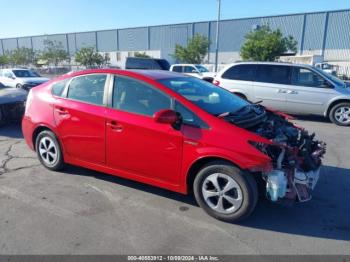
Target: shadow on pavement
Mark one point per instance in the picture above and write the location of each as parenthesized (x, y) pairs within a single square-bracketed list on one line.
[(326, 216), (312, 118), (12, 130), (73, 170)]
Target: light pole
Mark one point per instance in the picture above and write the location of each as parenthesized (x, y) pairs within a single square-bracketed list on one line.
[(217, 36)]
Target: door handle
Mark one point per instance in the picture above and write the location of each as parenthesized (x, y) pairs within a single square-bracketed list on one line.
[(281, 91), (292, 92), (61, 111), (115, 126)]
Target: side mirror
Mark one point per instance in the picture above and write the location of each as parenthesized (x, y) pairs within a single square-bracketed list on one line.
[(168, 116)]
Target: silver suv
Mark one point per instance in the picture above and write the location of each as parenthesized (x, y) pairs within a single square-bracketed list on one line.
[(291, 88), (21, 78)]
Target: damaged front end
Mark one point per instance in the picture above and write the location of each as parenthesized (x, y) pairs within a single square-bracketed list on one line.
[(296, 155)]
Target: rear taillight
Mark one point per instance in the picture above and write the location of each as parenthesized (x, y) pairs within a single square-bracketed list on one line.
[(216, 82)]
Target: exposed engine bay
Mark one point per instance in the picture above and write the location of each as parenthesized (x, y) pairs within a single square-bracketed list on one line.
[(296, 155)]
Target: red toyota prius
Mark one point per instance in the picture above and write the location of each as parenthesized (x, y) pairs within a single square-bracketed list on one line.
[(176, 132)]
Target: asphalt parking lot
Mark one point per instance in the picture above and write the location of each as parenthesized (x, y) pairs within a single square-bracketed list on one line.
[(84, 212)]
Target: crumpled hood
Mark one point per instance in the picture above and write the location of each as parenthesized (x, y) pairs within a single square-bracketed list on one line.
[(11, 95), (36, 80)]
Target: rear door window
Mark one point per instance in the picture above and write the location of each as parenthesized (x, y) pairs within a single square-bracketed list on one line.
[(88, 88), (275, 74), (240, 72)]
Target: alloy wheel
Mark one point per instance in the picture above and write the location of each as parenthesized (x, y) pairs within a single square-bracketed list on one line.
[(48, 151), (342, 115), (222, 193)]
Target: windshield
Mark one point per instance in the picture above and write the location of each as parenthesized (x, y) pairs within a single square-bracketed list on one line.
[(25, 73), (201, 69), (333, 78), (212, 99)]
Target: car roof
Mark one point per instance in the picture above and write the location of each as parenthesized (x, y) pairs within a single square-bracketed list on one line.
[(184, 64), (17, 68), (151, 74), (270, 63)]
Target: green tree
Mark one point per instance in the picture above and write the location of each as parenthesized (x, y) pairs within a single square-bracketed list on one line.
[(21, 56), (141, 55), (54, 52), (265, 44), (194, 52), (88, 57), (4, 60)]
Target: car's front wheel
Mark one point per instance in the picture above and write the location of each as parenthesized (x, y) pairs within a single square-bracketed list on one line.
[(340, 114), (49, 151), (225, 192), (19, 86)]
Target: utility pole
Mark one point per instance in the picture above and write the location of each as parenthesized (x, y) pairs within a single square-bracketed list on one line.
[(217, 36)]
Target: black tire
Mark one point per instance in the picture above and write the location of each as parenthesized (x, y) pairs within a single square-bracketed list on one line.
[(18, 86), (58, 162), (335, 108), (245, 181)]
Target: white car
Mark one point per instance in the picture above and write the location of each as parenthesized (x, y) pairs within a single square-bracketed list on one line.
[(291, 88), (198, 71), (21, 78)]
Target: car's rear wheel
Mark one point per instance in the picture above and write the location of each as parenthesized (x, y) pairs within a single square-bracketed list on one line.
[(18, 86), (49, 151), (225, 192), (340, 114)]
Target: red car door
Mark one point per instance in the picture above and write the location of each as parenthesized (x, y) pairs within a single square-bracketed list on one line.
[(80, 118), (135, 142)]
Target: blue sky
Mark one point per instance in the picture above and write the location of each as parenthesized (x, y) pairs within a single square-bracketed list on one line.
[(35, 17)]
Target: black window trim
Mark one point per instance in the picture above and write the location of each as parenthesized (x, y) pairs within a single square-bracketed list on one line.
[(65, 91)]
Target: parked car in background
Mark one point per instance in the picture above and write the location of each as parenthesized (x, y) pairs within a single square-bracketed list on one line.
[(198, 71), (147, 63), (21, 78), (172, 131), (291, 88), (328, 68), (12, 104)]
